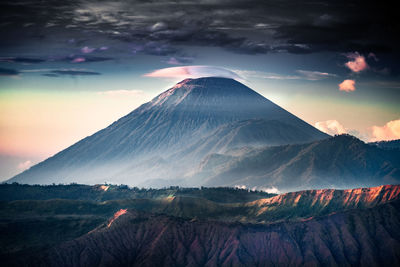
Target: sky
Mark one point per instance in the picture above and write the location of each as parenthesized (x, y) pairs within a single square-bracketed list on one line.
[(71, 68)]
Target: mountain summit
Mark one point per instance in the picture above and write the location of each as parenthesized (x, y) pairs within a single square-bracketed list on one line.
[(170, 135)]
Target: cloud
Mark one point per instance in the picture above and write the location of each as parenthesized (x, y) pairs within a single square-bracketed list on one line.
[(82, 59), (87, 50), (158, 26), (390, 131), (78, 60), (330, 127), (122, 93), (347, 86), (71, 58), (265, 75), (25, 60), (357, 62), (96, 59), (179, 60), (158, 49), (292, 48), (74, 72), (193, 72), (269, 190), (61, 72), (315, 75), (301, 75), (8, 72), (24, 165), (241, 187), (349, 27)]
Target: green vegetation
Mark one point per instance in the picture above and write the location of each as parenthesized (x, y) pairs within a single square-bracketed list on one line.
[(15, 191)]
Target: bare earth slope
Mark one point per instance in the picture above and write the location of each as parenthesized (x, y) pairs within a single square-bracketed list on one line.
[(369, 237), (313, 227)]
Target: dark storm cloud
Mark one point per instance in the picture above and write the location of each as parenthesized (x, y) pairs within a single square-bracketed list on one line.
[(251, 26), (179, 60), (22, 60), (8, 72), (83, 59), (74, 73), (71, 58)]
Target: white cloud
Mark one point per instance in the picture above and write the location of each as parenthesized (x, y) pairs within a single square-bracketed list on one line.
[(301, 75), (330, 127), (240, 186), (24, 165), (265, 75), (315, 75), (347, 86), (269, 190), (390, 131), (159, 26)]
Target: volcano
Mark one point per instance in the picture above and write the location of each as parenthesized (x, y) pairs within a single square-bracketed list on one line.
[(164, 139)]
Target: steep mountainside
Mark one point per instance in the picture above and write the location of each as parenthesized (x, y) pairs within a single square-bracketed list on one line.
[(189, 219), (338, 162), (367, 237), (146, 143)]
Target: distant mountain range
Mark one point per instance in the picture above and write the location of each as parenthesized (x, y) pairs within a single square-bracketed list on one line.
[(393, 144), (217, 132), (198, 227), (338, 162)]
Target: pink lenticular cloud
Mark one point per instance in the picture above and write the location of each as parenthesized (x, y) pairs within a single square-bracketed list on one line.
[(176, 72), (357, 62), (78, 60), (87, 50), (193, 72), (390, 131), (347, 86)]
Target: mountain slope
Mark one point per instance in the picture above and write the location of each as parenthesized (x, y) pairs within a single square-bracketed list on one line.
[(176, 119), (29, 228), (337, 162), (358, 237), (393, 144)]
